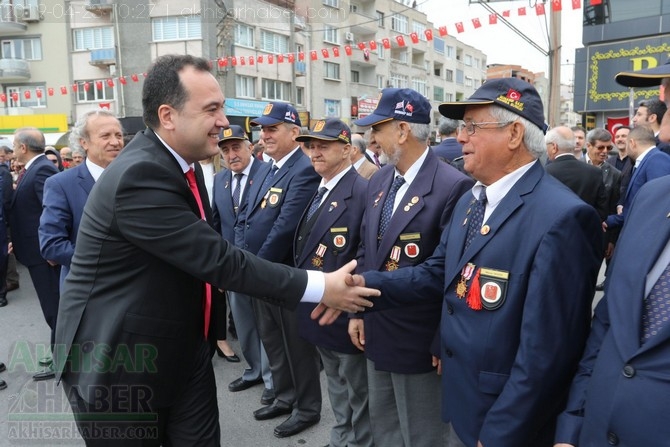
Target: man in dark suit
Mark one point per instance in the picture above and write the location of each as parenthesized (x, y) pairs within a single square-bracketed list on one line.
[(449, 148), (132, 335), (584, 180), (650, 112), (516, 266), (276, 202), (621, 160), (619, 394), (100, 134), (408, 204), (24, 220), (6, 193), (229, 202), (327, 238)]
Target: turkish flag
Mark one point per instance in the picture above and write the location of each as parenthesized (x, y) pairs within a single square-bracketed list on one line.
[(15, 96), (506, 13), (476, 23), (459, 27), (98, 85), (134, 77), (271, 59), (442, 30), (280, 58), (400, 40), (233, 61), (361, 46), (493, 19), (313, 55), (414, 37), (50, 91), (522, 11), (123, 80), (3, 97), (74, 87), (556, 5), (373, 45), (347, 50), (386, 42), (539, 9), (251, 60), (596, 2), (87, 86), (38, 92), (576, 4), (301, 56), (428, 33), (259, 59), (243, 61), (324, 53), (336, 52), (63, 90), (291, 58), (110, 82), (27, 94)]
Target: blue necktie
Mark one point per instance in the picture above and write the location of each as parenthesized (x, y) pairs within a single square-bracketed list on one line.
[(387, 210), (316, 202), (237, 191), (656, 311), (476, 218), (268, 179)]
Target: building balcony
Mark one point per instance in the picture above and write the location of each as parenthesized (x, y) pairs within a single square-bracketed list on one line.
[(103, 57), (10, 21), (361, 24), (12, 70), (99, 6), (300, 68)]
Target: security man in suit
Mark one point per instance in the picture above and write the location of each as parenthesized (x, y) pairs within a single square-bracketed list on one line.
[(266, 228), (449, 148), (516, 267), (408, 204), (327, 238), (231, 189)]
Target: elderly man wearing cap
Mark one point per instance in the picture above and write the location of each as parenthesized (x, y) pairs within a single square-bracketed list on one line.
[(328, 236), (267, 225), (231, 189), (516, 267), (409, 202)]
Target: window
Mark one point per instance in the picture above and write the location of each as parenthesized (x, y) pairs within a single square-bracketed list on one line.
[(438, 45), (438, 94), (478, 63), (448, 97), (93, 38), (176, 28), (400, 55), (459, 76), (330, 34), (29, 49), (381, 51), (380, 19), (300, 95), (437, 70), (244, 35), (245, 86), (332, 71), (333, 3), (273, 42), (468, 81), (31, 101), (276, 90), (420, 29), (353, 8), (450, 75), (355, 76), (420, 86), (380, 81), (332, 108), (451, 52), (399, 23), (397, 80), (468, 60), (88, 91)]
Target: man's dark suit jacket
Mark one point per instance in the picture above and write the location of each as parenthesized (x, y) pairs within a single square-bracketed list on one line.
[(137, 278), (584, 180), (626, 169), (448, 149)]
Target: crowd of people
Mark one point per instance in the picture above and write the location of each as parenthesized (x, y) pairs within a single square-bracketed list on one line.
[(446, 292)]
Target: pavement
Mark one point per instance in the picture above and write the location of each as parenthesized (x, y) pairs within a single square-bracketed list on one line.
[(37, 413)]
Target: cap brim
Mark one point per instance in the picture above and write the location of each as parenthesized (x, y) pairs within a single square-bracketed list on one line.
[(371, 120), (223, 140), (456, 110), (644, 78), (265, 121), (317, 137)]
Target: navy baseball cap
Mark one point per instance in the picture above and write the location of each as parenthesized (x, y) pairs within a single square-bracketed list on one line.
[(276, 113), (513, 94), (330, 129), (402, 104), (234, 132), (649, 77)]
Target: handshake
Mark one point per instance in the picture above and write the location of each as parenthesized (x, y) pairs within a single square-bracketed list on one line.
[(344, 292)]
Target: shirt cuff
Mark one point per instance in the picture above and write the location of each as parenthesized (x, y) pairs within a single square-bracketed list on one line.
[(316, 286)]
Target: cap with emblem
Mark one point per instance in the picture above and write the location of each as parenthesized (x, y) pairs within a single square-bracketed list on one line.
[(233, 132), (402, 104), (648, 77), (277, 113), (513, 94), (330, 129)]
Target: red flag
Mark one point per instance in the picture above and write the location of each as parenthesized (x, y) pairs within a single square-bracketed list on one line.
[(476, 23), (493, 19), (98, 85), (386, 42), (259, 59), (336, 52), (539, 9), (123, 80), (233, 61), (556, 5), (110, 82), (415, 37), (105, 105), (50, 91), (373, 45), (400, 40), (429, 34), (251, 60), (38, 92), (505, 13), (442, 30), (361, 46), (15, 96), (87, 86), (324, 52), (243, 61), (280, 58), (576, 4), (459, 27), (134, 77), (313, 55), (27, 94), (347, 50), (301, 56), (271, 59), (522, 11), (63, 90), (596, 2), (3, 97)]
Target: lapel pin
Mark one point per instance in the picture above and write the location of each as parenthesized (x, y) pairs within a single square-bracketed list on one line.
[(381, 193), (333, 205), (485, 230)]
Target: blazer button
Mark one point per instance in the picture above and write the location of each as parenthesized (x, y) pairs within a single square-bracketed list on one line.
[(448, 353), (628, 371), (299, 238), (450, 309), (612, 439)]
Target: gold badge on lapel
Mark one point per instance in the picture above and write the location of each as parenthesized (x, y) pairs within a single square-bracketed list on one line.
[(317, 260)]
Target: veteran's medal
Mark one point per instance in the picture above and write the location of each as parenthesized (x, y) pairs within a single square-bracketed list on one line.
[(392, 263), (462, 285), (317, 260)]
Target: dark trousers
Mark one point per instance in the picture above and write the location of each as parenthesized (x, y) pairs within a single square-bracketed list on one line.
[(12, 276), (46, 281), (193, 419)]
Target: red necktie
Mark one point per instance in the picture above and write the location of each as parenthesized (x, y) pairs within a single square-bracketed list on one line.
[(207, 304)]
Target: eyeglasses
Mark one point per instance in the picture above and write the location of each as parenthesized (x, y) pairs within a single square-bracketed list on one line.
[(470, 126)]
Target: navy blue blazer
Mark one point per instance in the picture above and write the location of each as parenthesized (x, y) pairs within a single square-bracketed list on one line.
[(223, 212), (26, 209), (506, 371), (621, 389), (267, 225), (337, 227), (398, 340), (65, 195), (655, 164), (449, 148)]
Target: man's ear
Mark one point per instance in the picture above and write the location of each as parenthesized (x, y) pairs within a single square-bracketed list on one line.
[(166, 116)]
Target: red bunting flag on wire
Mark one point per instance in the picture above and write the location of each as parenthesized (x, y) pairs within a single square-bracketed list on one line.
[(556, 5), (539, 9)]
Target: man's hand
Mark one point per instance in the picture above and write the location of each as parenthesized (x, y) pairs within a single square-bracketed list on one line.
[(563, 445), (357, 333), (343, 292), (437, 363), (10, 248), (604, 226)]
